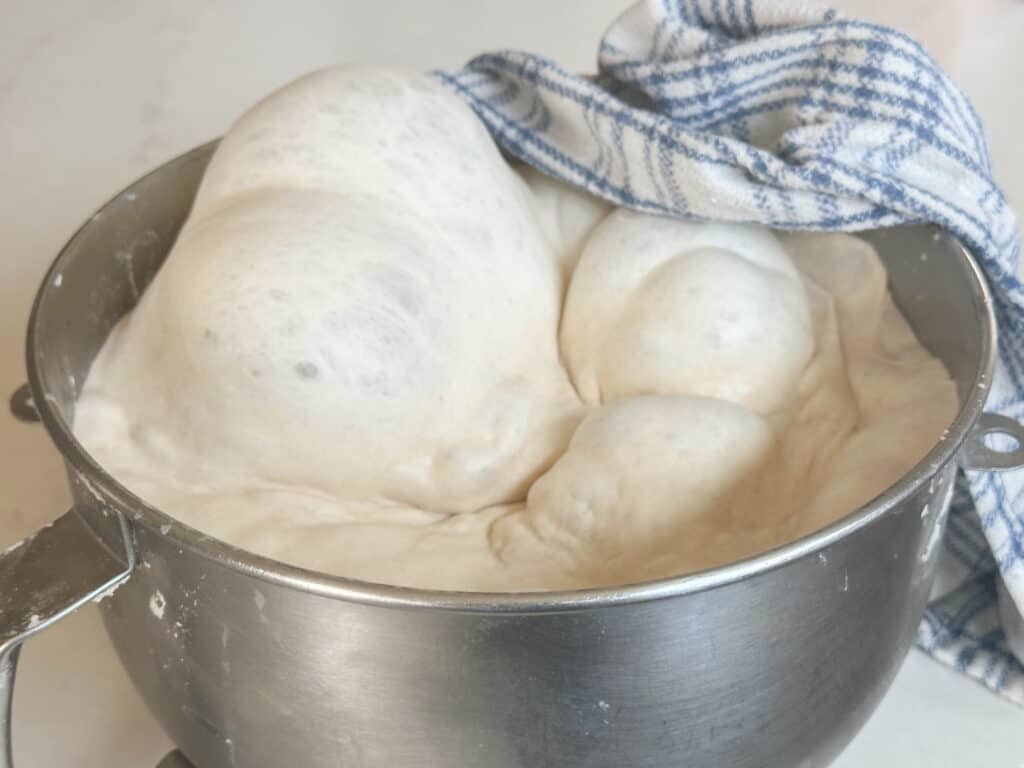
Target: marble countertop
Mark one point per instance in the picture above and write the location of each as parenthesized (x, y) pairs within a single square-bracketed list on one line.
[(94, 94)]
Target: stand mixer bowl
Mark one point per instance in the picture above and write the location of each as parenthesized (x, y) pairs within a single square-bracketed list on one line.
[(774, 661)]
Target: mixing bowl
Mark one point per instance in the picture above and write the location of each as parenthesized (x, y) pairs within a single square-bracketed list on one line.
[(774, 661)]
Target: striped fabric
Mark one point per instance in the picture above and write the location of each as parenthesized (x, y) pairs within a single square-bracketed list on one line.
[(795, 117)]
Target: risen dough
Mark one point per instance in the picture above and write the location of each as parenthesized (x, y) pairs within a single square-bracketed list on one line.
[(566, 216), (352, 360), (658, 306), (361, 302), (636, 476)]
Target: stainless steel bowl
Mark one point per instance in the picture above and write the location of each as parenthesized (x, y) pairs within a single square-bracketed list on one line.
[(774, 661)]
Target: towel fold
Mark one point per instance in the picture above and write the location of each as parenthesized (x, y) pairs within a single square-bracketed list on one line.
[(792, 116)]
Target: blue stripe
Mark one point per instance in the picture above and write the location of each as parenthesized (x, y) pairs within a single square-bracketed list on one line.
[(870, 74), (863, 113), (589, 119), (897, 197), (666, 169), (677, 34), (614, 111), (1015, 541), (716, 10), (649, 167), (603, 186), (701, 21), (620, 145), (734, 19), (968, 120), (659, 30), (714, 116)]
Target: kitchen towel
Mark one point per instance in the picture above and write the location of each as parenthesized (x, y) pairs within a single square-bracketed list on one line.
[(790, 115)]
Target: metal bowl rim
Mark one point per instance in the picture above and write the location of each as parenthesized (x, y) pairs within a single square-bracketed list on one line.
[(337, 587)]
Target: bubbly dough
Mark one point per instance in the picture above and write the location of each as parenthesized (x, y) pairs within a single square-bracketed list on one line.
[(659, 306), (361, 302), (378, 351), (903, 397), (635, 477)]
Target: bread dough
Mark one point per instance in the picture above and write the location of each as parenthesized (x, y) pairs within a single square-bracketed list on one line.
[(660, 306), (378, 351), (361, 302), (611, 508), (566, 216)]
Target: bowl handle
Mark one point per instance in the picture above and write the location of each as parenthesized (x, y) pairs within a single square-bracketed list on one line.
[(976, 454), (44, 578)]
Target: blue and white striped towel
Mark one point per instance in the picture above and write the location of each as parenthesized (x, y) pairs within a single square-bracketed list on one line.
[(795, 117)]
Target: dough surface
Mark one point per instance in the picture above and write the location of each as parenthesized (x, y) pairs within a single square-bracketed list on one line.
[(658, 306), (379, 351), (361, 302)]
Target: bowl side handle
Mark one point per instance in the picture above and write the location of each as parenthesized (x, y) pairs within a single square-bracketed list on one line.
[(45, 577), (976, 454)]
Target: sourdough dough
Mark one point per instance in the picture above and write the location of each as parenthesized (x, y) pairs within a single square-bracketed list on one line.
[(378, 351)]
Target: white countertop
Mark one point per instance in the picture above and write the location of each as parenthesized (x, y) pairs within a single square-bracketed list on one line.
[(94, 94)]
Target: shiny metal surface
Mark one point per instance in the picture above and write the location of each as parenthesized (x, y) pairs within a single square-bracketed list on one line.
[(8, 668), (44, 578), (976, 454), (777, 660)]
